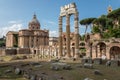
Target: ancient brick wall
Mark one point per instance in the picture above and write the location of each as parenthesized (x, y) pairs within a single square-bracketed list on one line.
[(10, 51), (2, 52), (23, 51)]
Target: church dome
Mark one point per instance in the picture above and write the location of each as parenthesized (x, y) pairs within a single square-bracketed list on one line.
[(34, 23)]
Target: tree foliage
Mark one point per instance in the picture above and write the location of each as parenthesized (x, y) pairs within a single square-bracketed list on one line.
[(114, 14), (87, 22), (105, 24)]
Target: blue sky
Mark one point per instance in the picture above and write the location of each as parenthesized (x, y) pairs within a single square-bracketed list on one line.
[(16, 14)]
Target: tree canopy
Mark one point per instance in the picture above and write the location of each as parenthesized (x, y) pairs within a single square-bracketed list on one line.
[(87, 21), (105, 24), (114, 14)]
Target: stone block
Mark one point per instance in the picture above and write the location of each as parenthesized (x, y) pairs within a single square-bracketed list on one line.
[(88, 65), (8, 71), (67, 67), (56, 68), (114, 63), (97, 72), (88, 79), (86, 61), (98, 61), (104, 61), (108, 63), (18, 71)]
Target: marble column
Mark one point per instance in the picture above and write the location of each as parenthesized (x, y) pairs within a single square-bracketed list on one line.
[(68, 35), (60, 37), (76, 23)]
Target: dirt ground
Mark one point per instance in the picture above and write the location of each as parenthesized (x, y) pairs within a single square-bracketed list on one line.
[(77, 72)]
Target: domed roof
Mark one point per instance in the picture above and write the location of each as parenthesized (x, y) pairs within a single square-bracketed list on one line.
[(34, 20)]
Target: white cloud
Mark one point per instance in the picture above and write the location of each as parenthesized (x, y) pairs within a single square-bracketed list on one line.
[(53, 34), (10, 27), (14, 22)]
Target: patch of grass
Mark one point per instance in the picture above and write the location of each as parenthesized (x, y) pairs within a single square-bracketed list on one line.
[(6, 58)]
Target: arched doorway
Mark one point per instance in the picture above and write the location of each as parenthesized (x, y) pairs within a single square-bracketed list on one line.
[(100, 49), (115, 52)]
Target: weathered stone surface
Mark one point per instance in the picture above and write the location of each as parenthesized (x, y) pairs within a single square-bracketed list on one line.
[(67, 67), (8, 71), (88, 79), (108, 63), (33, 77), (115, 63), (35, 64), (79, 66), (18, 71), (86, 60), (98, 61), (97, 72), (23, 65), (54, 60), (54, 67), (27, 76), (104, 61), (88, 65), (40, 78), (61, 78)]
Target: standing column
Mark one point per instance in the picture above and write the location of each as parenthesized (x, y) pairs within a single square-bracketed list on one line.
[(68, 35), (76, 35), (35, 41), (30, 42), (60, 37)]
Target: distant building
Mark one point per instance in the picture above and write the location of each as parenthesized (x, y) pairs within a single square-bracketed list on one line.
[(53, 41), (34, 36), (28, 38), (11, 39)]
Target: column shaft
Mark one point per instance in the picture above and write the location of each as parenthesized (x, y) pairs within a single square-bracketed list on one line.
[(68, 35), (60, 37), (76, 35)]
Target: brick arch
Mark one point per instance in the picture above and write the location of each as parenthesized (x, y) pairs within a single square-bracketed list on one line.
[(82, 44), (100, 49), (114, 51), (96, 43)]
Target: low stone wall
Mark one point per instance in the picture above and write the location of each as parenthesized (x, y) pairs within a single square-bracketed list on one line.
[(2, 52), (10, 51), (23, 51), (14, 51)]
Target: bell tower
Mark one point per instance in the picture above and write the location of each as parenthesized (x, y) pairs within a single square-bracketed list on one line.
[(109, 10)]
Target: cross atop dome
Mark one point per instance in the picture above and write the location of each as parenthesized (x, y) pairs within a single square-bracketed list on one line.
[(34, 16)]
